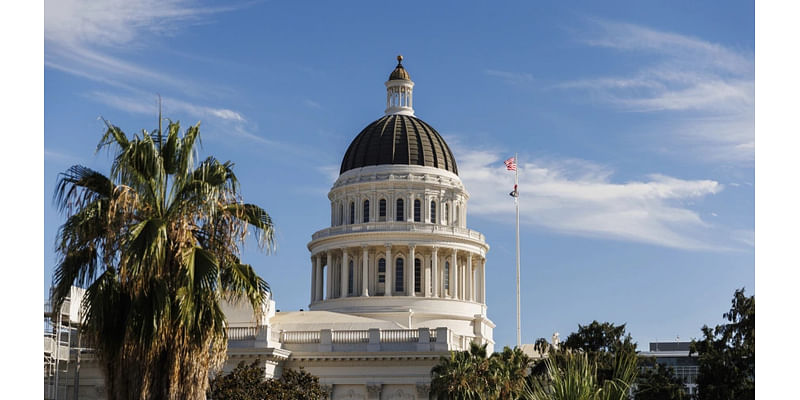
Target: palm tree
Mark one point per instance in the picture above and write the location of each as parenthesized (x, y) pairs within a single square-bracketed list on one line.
[(156, 245), (464, 375), (509, 370)]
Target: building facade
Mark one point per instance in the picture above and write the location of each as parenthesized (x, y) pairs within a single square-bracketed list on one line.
[(397, 280)]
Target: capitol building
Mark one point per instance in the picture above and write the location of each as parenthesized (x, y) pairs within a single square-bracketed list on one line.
[(396, 277)]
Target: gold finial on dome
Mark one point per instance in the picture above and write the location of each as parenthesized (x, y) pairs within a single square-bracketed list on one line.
[(399, 59)]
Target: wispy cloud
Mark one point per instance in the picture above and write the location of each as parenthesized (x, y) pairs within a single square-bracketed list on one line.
[(96, 40), (709, 87), (579, 197), (511, 78), (312, 104)]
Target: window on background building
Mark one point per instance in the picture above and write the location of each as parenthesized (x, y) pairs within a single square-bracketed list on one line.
[(352, 213), (365, 212), (447, 276), (399, 210), (398, 275), (417, 211), (350, 276), (433, 212), (382, 210), (417, 275)]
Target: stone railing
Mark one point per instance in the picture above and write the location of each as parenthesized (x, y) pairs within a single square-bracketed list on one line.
[(243, 333), (417, 227), (350, 336), (326, 340), (400, 336), (299, 337)]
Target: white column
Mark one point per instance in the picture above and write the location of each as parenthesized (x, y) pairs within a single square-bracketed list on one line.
[(482, 274), (454, 275), (470, 276), (313, 279), (410, 290), (389, 272), (329, 289), (364, 271), (435, 272), (345, 271), (319, 280), (426, 275)]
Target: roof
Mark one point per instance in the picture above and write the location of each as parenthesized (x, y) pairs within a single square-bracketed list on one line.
[(399, 72), (399, 139)]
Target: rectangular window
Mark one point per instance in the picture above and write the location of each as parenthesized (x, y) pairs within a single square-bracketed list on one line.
[(398, 274), (399, 210), (417, 211), (382, 210), (417, 276)]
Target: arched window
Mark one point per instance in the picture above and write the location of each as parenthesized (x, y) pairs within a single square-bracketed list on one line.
[(433, 212), (417, 275), (446, 215), (417, 210), (350, 276), (382, 210), (365, 212), (381, 275), (352, 213), (398, 275), (341, 214), (399, 210), (447, 276)]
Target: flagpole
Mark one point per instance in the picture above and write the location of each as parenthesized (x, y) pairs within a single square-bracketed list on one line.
[(516, 203)]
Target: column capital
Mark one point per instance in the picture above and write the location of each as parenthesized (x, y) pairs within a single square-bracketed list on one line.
[(364, 246), (412, 246), (388, 246)]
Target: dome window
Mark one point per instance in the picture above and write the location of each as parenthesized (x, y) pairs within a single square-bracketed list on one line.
[(350, 276), (433, 212), (447, 276), (399, 210), (365, 212), (398, 275), (382, 210), (417, 275), (446, 215), (417, 211), (341, 214), (381, 276), (352, 213)]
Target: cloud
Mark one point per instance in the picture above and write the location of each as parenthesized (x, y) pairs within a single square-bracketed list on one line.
[(147, 104), (579, 197), (91, 39), (708, 88), (312, 104), (511, 78)]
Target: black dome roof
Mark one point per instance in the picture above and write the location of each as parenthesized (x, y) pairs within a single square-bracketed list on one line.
[(399, 139)]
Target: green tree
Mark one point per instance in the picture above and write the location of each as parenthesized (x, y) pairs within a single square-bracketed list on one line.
[(463, 375), (726, 354), (508, 371), (658, 382), (156, 245), (575, 377), (599, 341), (247, 382)]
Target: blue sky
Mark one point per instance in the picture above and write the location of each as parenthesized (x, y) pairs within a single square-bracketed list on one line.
[(633, 122)]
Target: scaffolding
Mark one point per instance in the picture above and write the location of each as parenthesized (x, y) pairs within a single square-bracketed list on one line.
[(61, 337)]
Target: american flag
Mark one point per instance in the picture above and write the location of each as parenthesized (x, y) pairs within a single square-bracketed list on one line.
[(511, 164)]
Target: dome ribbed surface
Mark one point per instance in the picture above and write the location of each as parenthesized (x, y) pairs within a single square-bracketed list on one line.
[(399, 139), (399, 73)]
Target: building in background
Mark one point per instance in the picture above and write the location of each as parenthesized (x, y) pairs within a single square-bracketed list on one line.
[(676, 356), (397, 280)]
